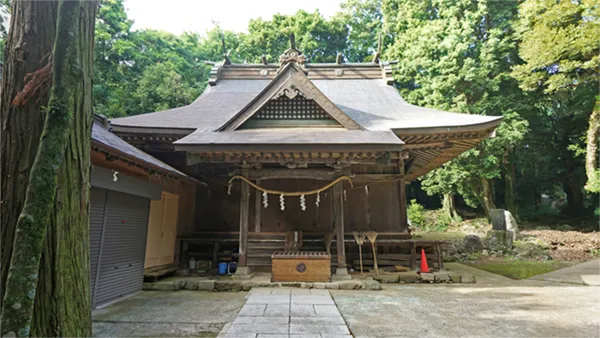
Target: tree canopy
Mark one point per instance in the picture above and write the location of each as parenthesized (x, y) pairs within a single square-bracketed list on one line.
[(533, 62)]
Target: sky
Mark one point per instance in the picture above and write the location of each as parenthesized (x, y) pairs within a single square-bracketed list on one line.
[(177, 16)]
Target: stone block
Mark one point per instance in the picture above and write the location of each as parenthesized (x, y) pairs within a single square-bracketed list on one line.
[(316, 292), (164, 286), (268, 299), (349, 285), (499, 240), (408, 277), (504, 220), (468, 279), (206, 285), (371, 285), (291, 284), (319, 329), (472, 243), (302, 310), (262, 320), (247, 286), (427, 277), (277, 310), (392, 278), (257, 328), (252, 310), (441, 277), (326, 311), (312, 300), (455, 278), (317, 320), (333, 286), (321, 286), (191, 285), (231, 285)]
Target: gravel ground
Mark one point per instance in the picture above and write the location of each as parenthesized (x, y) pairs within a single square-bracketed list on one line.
[(498, 307), (568, 245), (438, 311)]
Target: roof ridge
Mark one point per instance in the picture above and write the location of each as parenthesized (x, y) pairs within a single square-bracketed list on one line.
[(290, 81)]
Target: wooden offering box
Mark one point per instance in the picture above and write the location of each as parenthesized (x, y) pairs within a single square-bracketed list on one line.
[(297, 266)]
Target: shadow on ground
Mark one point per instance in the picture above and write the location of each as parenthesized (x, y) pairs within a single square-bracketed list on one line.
[(168, 314)]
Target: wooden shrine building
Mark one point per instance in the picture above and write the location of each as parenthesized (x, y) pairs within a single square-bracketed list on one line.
[(296, 127)]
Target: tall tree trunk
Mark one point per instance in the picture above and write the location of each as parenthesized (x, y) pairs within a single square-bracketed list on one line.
[(449, 206), (591, 155), (28, 45), (509, 185), (62, 301), (572, 184), (486, 196)]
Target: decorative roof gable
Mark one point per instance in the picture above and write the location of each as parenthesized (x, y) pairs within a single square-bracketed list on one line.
[(291, 87)]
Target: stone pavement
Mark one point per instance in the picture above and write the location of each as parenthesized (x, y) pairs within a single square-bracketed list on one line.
[(288, 313), (587, 273)]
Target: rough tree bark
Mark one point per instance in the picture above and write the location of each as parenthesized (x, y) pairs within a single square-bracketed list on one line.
[(64, 268), (449, 206), (28, 45), (509, 184), (486, 196), (591, 156)]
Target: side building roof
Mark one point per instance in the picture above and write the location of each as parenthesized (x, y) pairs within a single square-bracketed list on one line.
[(104, 139)]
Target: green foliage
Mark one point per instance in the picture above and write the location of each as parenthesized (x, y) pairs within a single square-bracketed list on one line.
[(318, 38), (559, 46), (125, 59), (363, 20), (162, 87), (456, 56), (415, 213), (533, 62)]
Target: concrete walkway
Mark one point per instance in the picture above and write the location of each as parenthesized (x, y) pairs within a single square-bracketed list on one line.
[(287, 313), (587, 273)]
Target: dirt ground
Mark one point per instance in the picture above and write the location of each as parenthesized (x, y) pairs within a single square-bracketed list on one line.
[(568, 245)]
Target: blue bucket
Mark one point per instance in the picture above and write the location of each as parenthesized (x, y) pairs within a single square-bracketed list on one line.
[(223, 268)]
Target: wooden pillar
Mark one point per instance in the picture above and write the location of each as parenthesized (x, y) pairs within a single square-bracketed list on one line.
[(244, 211), (402, 195), (338, 219), (257, 208)]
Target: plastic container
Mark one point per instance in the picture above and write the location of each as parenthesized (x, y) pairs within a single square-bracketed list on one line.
[(223, 267), (232, 267), (192, 264)]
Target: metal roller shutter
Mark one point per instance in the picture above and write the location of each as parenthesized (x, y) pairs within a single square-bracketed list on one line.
[(97, 210), (121, 266)]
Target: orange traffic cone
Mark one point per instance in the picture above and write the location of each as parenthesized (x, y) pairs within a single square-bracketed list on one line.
[(424, 266)]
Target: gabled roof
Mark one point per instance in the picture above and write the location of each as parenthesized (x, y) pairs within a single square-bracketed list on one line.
[(368, 101), (359, 96), (291, 81)]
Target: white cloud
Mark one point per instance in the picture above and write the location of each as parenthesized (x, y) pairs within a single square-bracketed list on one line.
[(177, 16)]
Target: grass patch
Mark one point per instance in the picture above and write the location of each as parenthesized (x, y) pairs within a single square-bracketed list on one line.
[(518, 269)]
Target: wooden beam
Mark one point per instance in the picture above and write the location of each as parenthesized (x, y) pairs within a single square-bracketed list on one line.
[(402, 197), (244, 208), (313, 174), (374, 177), (338, 219), (257, 208)]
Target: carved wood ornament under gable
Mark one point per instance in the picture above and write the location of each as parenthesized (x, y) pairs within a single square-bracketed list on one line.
[(292, 54)]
